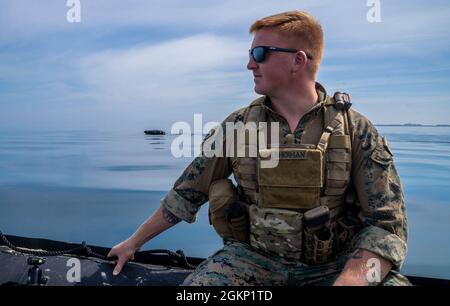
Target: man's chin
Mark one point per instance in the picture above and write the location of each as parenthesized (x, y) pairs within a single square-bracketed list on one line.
[(260, 91)]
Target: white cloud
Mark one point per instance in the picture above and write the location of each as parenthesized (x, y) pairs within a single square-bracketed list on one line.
[(192, 69), (198, 56)]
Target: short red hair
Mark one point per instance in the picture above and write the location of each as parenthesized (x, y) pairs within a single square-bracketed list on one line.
[(299, 25)]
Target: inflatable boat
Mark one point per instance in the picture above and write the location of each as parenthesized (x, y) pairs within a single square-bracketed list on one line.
[(42, 262)]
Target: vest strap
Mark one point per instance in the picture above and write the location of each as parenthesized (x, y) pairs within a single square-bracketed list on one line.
[(324, 139), (339, 142)]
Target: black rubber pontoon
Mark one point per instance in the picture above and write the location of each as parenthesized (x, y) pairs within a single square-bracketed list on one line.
[(150, 268)]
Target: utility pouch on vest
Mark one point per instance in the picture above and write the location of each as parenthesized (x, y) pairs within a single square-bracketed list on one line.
[(295, 182), (317, 218), (222, 194), (346, 229), (276, 231), (318, 246), (226, 214), (318, 240), (238, 221)]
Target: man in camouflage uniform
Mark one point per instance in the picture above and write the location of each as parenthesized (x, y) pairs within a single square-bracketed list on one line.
[(291, 97)]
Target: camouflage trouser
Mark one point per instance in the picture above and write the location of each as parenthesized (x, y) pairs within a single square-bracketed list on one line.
[(237, 264)]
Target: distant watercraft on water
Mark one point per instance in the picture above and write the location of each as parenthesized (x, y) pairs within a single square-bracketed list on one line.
[(154, 132)]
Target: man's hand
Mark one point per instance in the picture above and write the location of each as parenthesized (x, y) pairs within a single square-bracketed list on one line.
[(124, 252), (161, 220), (357, 269)]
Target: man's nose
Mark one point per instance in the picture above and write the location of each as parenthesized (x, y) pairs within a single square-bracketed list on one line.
[(251, 65)]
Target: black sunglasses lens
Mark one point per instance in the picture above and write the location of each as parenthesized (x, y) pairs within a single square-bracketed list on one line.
[(258, 54)]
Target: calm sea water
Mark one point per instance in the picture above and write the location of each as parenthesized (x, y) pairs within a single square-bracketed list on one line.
[(100, 186)]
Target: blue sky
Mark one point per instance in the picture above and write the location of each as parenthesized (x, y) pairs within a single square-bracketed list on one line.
[(135, 65)]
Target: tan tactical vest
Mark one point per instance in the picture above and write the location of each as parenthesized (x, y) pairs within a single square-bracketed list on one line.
[(335, 142), (295, 209)]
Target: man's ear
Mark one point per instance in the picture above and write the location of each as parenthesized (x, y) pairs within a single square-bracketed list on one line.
[(300, 61)]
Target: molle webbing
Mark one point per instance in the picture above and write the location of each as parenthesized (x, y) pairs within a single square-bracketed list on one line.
[(335, 142), (338, 155)]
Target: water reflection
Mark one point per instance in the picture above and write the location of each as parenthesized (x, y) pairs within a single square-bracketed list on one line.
[(109, 182)]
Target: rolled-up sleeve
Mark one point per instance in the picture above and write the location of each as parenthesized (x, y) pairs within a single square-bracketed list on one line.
[(380, 194), (191, 189), (182, 208)]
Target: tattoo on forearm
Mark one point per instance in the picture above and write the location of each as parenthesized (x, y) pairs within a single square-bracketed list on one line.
[(169, 217), (357, 255)]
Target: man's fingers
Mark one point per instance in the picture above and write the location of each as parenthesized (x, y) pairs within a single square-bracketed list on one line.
[(117, 269), (119, 266), (111, 257), (111, 253)]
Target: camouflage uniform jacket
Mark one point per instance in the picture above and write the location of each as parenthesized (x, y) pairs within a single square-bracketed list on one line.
[(373, 176)]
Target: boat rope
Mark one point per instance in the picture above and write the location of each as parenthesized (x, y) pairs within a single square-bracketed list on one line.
[(177, 257), (44, 253)]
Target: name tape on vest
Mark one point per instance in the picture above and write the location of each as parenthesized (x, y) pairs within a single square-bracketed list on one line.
[(292, 155)]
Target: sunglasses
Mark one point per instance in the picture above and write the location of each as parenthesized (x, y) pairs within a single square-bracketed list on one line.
[(259, 53)]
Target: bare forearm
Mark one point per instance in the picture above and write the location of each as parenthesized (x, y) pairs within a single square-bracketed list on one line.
[(160, 221), (363, 269)]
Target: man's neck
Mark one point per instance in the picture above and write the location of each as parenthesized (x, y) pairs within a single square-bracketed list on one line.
[(295, 104)]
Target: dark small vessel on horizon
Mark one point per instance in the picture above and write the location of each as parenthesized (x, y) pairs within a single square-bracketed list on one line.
[(154, 132)]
